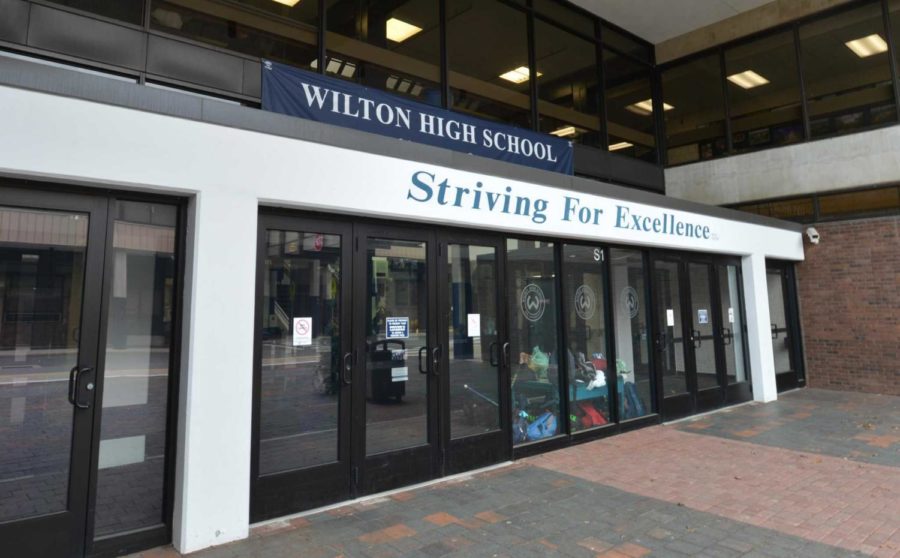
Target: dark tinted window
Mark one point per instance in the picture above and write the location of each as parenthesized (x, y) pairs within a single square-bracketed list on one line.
[(256, 27), (568, 84), (624, 43), (629, 109), (393, 46), (487, 46), (695, 110), (131, 11), (847, 71), (764, 93), (876, 200), (567, 16)]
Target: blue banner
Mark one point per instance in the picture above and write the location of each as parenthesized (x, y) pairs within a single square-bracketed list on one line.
[(297, 92)]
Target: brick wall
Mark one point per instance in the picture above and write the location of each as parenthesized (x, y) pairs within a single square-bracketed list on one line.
[(849, 288)]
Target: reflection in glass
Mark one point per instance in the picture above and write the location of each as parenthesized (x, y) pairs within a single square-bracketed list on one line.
[(474, 345), (42, 256), (632, 340), (629, 109), (732, 333), (487, 39), (764, 93), (590, 376), (567, 84), (130, 479), (847, 72), (702, 320), (668, 320), (695, 116), (389, 46), (781, 343), (298, 423), (397, 356), (534, 345), (256, 27), (130, 11)]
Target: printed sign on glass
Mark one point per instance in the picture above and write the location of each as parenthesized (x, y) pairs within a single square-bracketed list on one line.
[(396, 328), (302, 331)]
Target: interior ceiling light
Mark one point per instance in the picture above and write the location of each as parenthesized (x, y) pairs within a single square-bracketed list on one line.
[(620, 145), (289, 3), (398, 30), (867, 46), (747, 79), (519, 75), (646, 107), (564, 132)]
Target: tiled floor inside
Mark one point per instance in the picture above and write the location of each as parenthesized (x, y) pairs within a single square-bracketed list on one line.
[(816, 473)]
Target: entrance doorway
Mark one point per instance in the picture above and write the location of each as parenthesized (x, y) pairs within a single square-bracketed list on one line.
[(786, 344), (700, 335), (381, 353), (88, 329)]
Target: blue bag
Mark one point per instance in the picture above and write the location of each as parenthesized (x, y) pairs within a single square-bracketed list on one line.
[(543, 427), (634, 407)]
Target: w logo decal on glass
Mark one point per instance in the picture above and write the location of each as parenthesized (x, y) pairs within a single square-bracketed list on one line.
[(532, 302), (585, 302), (630, 299)]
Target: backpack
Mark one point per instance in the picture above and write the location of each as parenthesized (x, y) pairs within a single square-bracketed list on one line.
[(543, 427)]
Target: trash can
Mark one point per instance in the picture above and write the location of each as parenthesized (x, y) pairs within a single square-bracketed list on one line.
[(385, 380)]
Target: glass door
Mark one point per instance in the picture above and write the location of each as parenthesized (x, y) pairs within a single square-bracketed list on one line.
[(673, 337), (398, 359), (733, 333), (303, 373), (786, 346), (704, 343), (474, 422), (51, 262)]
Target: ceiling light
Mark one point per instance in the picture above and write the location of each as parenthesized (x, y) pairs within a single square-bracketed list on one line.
[(289, 3), (867, 46), (519, 75), (620, 145), (747, 79), (646, 107), (398, 30), (564, 132)]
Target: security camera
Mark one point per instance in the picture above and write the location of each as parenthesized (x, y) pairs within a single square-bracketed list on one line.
[(813, 235)]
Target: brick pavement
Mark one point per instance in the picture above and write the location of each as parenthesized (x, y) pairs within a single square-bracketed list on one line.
[(698, 488)]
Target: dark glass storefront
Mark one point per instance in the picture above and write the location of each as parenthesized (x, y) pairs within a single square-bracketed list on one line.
[(389, 355)]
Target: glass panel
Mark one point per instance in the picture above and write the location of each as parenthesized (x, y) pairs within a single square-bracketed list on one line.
[(390, 46), (781, 344), (702, 319), (136, 372), (130, 11), (764, 93), (481, 49), (565, 15), (474, 346), (590, 376), (631, 327), (847, 72), (865, 201), (301, 358), (42, 256), (732, 323), (533, 337), (668, 316), (626, 44), (397, 340), (568, 86), (256, 27), (695, 115), (629, 110)]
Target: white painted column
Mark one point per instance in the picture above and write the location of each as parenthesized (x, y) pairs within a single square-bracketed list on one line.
[(212, 492), (759, 328)]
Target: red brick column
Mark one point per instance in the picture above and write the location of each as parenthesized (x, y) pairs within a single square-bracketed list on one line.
[(849, 288)]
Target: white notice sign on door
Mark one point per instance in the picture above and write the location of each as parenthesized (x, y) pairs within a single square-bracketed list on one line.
[(670, 317), (473, 325), (302, 331)]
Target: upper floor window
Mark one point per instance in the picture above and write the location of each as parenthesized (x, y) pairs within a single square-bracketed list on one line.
[(629, 107), (694, 108), (130, 11)]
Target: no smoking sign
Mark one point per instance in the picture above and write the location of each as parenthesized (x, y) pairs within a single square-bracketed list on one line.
[(302, 331)]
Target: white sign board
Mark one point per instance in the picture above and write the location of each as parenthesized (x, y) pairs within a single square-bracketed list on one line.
[(702, 316), (731, 315), (473, 325), (400, 374), (670, 317), (302, 331)]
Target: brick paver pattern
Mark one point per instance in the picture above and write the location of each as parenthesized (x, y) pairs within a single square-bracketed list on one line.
[(727, 484)]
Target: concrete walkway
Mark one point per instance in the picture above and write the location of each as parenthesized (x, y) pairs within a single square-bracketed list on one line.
[(815, 474)]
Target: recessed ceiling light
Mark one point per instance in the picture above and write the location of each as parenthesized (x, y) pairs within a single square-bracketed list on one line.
[(564, 132), (519, 75), (398, 30), (747, 79), (620, 145), (867, 46), (290, 3), (646, 107)]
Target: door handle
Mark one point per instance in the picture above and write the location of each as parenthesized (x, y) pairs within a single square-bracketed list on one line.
[(494, 348), (727, 336), (74, 374), (774, 331), (661, 341), (696, 339), (505, 354), (436, 360), (421, 360), (347, 372)]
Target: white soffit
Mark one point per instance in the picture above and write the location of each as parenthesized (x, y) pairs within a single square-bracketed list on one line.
[(660, 20)]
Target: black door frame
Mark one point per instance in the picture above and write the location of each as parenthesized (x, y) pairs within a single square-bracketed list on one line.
[(54, 534), (796, 376)]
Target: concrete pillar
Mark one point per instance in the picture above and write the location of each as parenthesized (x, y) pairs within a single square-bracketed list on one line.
[(212, 491), (759, 328)]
